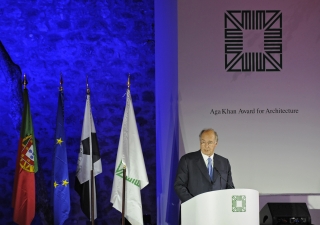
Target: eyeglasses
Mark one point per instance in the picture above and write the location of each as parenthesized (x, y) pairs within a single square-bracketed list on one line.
[(210, 143)]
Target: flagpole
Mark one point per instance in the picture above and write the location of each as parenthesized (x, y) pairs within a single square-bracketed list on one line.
[(92, 168), (123, 193), (92, 198), (124, 175)]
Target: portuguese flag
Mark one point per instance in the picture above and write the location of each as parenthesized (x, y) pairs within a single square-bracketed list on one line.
[(24, 190)]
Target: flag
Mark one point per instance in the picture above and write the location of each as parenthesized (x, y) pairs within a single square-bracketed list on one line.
[(89, 153), (60, 180), (130, 155), (24, 188)]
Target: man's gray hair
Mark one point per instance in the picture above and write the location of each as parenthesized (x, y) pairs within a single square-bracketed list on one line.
[(209, 129)]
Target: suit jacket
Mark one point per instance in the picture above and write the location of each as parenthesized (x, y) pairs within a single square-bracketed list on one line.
[(192, 176)]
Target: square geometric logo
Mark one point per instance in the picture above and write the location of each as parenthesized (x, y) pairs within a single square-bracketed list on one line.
[(239, 203), (236, 22)]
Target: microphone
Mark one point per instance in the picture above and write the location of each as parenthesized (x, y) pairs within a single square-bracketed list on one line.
[(224, 179)]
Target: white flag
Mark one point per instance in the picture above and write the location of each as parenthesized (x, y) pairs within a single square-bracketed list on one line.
[(129, 154), (89, 152)]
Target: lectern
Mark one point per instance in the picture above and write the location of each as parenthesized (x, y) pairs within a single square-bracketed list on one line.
[(224, 207)]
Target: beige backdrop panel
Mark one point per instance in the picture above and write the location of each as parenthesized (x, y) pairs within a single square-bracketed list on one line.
[(269, 152)]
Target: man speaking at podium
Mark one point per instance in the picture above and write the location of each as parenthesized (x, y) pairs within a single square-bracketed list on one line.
[(203, 171)]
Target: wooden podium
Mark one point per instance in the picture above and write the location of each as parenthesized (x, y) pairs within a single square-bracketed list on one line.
[(224, 207)]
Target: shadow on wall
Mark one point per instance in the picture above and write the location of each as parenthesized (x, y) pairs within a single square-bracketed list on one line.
[(312, 201), (12, 78), (173, 201)]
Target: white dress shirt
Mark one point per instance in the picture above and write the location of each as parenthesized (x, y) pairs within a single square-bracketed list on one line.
[(205, 158)]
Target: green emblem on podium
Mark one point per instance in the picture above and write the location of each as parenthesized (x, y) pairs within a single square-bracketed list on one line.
[(239, 203)]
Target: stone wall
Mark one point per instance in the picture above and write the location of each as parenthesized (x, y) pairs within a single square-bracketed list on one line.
[(104, 40)]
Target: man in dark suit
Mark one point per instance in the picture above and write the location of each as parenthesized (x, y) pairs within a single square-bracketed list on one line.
[(194, 168)]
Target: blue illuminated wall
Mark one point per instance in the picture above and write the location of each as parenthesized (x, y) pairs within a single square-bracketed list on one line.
[(104, 40)]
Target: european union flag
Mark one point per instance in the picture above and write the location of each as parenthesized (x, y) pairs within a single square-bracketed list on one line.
[(60, 180)]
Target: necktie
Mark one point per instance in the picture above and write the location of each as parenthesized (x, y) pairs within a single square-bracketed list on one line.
[(210, 169)]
